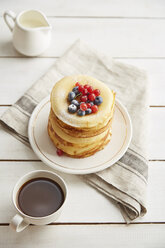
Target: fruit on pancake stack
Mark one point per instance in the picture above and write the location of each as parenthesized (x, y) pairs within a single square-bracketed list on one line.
[(81, 115)]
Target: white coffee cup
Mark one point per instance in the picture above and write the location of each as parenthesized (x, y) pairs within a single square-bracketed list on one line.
[(20, 221)]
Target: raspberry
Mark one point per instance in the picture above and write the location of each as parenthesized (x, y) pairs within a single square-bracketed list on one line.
[(83, 98), (96, 92), (59, 152), (83, 106), (94, 108), (90, 89), (91, 97)]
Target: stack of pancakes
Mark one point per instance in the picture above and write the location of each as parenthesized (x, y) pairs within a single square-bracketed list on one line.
[(80, 136)]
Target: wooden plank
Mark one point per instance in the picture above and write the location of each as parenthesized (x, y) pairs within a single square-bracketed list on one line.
[(118, 236), (156, 132), (114, 37), (84, 203), (17, 75), (126, 8), (17, 149), (25, 71)]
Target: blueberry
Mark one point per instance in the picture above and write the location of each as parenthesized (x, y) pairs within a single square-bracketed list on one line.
[(98, 100), (88, 111), (81, 112), (72, 108), (71, 96), (75, 90), (75, 102)]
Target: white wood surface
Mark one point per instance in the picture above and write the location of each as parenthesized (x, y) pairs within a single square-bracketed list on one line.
[(116, 8), (132, 32), (115, 37), (62, 236)]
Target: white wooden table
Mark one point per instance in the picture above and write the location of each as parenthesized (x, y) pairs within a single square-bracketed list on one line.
[(132, 32)]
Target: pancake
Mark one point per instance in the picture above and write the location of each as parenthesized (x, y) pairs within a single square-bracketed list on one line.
[(80, 136), (79, 132), (77, 151), (69, 137)]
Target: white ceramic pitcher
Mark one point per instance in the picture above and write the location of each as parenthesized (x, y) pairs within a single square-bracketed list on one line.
[(31, 31)]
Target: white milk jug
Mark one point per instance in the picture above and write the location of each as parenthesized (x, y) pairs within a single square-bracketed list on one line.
[(31, 31)]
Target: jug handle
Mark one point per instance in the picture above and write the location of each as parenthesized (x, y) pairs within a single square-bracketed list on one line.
[(6, 16)]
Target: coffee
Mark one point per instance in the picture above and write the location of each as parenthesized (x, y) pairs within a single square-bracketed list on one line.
[(40, 197)]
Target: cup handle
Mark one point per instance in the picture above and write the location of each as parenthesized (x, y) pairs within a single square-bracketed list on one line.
[(6, 16), (18, 223)]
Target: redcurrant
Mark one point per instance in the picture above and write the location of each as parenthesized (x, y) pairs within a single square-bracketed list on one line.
[(83, 98), (88, 105), (90, 89), (94, 108), (91, 97), (84, 91), (59, 152), (83, 106), (80, 88), (86, 86), (96, 92)]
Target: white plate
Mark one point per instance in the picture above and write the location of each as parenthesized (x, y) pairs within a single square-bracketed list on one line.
[(46, 151)]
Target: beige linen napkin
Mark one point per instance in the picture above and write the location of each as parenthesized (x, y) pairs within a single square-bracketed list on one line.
[(125, 181)]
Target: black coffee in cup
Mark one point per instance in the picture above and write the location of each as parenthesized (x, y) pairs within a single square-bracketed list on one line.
[(40, 197)]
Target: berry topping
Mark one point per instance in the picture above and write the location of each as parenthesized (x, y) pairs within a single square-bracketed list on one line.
[(98, 100), (81, 112), (75, 102), (91, 97), (96, 92), (88, 99), (71, 96), (83, 106), (80, 88), (75, 90), (94, 108), (59, 152), (84, 91), (90, 89), (83, 98), (88, 111), (72, 108)]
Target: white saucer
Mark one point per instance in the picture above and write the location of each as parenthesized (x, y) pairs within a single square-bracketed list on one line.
[(46, 151)]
